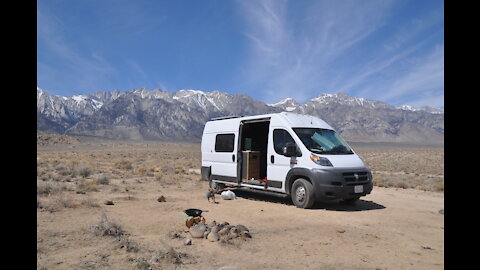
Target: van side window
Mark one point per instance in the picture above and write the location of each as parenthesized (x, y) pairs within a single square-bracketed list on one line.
[(224, 142), (280, 138)]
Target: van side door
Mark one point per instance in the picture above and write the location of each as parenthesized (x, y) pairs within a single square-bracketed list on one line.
[(278, 164), (224, 160)]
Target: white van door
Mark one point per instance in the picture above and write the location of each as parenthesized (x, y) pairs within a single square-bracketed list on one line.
[(224, 165), (278, 165)]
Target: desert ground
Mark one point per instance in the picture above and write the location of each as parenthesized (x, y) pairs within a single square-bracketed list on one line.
[(400, 225)]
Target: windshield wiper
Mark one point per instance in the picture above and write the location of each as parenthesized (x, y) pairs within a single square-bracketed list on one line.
[(319, 151)]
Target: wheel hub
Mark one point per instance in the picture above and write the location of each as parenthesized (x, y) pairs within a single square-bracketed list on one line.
[(300, 193)]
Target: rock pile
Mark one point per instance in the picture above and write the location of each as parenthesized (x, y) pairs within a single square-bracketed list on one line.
[(222, 232)]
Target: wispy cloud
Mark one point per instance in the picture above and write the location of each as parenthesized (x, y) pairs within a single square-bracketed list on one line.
[(87, 70), (426, 77), (338, 46), (292, 57)]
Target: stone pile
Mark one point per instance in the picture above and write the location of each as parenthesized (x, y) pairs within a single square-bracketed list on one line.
[(222, 232)]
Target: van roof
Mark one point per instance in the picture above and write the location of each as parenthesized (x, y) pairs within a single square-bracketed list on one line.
[(277, 119)]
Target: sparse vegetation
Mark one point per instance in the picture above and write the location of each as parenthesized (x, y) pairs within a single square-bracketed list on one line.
[(133, 176), (84, 171), (124, 165), (86, 186), (45, 189), (405, 168), (55, 203), (102, 180)]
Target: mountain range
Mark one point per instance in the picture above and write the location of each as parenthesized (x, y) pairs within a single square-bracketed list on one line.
[(141, 114)]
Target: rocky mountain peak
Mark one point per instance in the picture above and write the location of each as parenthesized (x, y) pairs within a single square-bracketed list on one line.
[(157, 114)]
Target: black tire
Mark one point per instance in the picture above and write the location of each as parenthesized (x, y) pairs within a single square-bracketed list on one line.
[(303, 195), (351, 200)]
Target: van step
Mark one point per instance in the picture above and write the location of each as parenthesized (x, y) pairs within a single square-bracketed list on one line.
[(265, 192)]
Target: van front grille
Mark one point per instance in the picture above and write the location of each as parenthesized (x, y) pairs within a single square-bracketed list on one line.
[(355, 177)]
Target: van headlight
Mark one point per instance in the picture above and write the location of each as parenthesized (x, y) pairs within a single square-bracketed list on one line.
[(322, 161)]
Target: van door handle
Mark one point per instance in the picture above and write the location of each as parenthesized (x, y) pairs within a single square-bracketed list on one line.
[(233, 157), (272, 159)]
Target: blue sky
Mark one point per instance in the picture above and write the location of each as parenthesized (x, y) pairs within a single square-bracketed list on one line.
[(392, 51)]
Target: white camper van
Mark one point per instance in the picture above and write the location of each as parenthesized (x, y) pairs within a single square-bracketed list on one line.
[(298, 155)]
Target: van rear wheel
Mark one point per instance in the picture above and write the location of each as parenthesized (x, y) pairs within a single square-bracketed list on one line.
[(302, 194)]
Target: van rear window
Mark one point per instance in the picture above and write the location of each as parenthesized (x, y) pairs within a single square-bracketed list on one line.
[(224, 142)]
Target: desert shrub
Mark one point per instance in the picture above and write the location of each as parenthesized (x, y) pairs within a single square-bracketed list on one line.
[(89, 202), (55, 177), (106, 227), (439, 186), (58, 202), (158, 177), (84, 171), (45, 189), (401, 184), (142, 263), (141, 171), (60, 167), (86, 186), (124, 165), (168, 255), (109, 228), (102, 180)]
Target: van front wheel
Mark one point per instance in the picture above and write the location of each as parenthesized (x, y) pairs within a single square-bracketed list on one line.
[(302, 194)]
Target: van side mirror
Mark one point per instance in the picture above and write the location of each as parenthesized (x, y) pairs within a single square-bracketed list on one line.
[(290, 150)]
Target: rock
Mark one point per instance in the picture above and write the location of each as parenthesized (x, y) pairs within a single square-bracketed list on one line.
[(216, 228), (244, 235), (187, 242), (224, 230), (213, 236), (109, 202), (205, 234), (212, 224), (232, 235), (197, 231), (161, 199), (340, 230), (234, 230), (241, 228)]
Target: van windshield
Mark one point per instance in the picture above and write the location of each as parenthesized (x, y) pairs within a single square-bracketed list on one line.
[(323, 141)]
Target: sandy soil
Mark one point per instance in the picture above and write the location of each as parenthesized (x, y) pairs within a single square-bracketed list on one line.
[(391, 228)]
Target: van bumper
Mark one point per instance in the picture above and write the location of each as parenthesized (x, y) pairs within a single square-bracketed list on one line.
[(335, 183)]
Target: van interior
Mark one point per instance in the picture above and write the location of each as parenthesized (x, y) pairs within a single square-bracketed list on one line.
[(254, 142)]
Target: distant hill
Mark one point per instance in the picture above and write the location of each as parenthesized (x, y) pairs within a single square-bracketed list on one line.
[(45, 138)]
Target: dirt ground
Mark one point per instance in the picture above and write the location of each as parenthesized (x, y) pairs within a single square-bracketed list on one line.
[(392, 228)]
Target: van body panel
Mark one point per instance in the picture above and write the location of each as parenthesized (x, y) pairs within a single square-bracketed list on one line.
[(220, 163), (278, 165), (347, 178), (344, 161)]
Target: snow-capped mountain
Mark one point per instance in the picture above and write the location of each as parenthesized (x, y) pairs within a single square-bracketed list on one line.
[(157, 114), (288, 104), (424, 108)]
